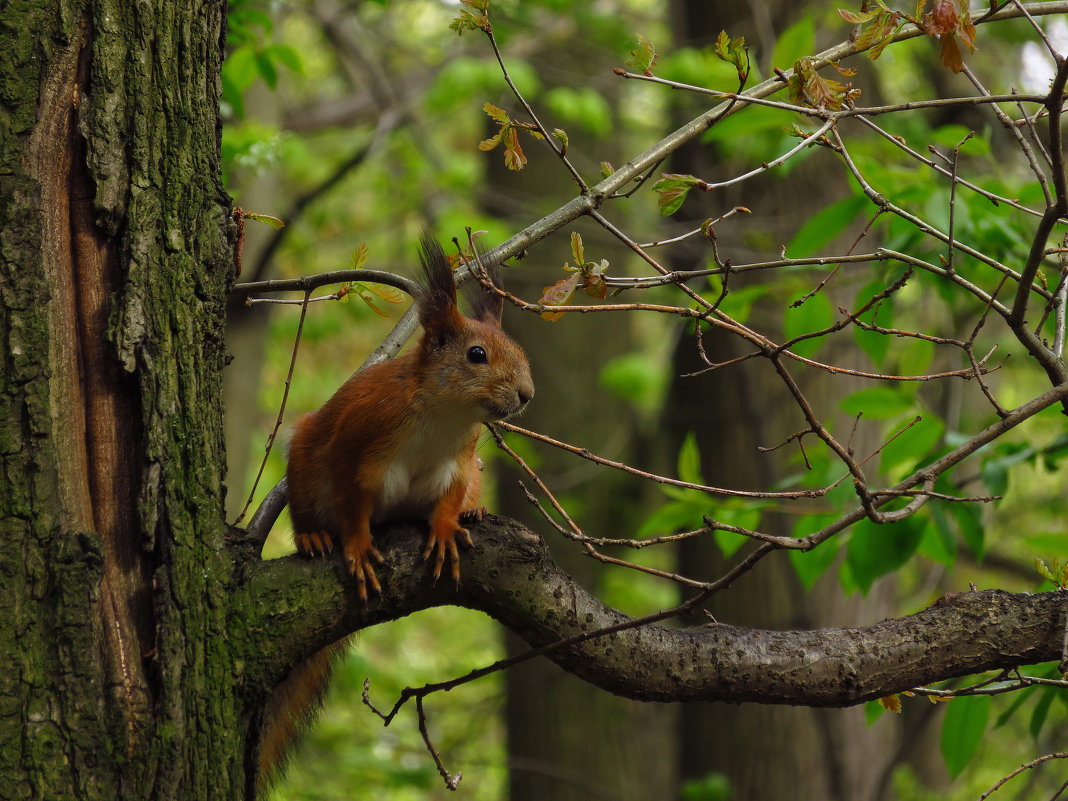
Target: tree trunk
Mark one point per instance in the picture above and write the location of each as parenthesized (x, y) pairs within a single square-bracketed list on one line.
[(113, 273)]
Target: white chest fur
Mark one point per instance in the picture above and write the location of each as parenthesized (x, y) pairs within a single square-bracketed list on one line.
[(422, 467)]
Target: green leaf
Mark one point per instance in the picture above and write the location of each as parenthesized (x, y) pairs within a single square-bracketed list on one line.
[(583, 106), (810, 565), (962, 730), (689, 460), (875, 550), (739, 301), (877, 403), (267, 219), (267, 69), (1041, 710), (938, 543), (578, 252), (971, 526), (673, 189), (286, 56), (643, 57), (825, 226), (240, 67), (873, 710), (912, 445), (636, 377), (1019, 697), (872, 343), (914, 356), (740, 513), (711, 787), (815, 314), (676, 516)]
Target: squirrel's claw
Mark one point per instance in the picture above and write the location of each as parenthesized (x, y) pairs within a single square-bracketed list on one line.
[(360, 562), (442, 545), (473, 516), (314, 543)]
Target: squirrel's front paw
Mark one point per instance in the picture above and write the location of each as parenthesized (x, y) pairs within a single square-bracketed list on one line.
[(443, 542), (360, 561), (315, 543)]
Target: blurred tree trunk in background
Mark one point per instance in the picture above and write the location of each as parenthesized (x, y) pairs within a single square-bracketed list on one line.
[(567, 741), (824, 754)]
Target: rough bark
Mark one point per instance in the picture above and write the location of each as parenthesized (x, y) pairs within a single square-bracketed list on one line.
[(510, 575), (113, 269)]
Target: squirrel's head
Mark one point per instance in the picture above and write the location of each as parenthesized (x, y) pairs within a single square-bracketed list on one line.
[(468, 363)]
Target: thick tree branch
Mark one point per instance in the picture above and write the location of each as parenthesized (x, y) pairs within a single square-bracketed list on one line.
[(510, 576)]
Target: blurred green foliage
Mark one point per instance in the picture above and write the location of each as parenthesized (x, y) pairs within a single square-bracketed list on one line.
[(285, 85)]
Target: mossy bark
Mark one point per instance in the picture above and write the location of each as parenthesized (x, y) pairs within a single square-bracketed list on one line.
[(114, 264)]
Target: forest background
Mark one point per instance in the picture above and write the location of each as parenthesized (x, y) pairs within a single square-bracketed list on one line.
[(357, 123)]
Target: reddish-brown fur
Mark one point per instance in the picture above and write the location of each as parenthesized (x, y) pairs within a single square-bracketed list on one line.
[(397, 440)]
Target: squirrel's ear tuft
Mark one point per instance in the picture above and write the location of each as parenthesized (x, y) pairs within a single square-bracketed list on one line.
[(486, 306), (438, 313)]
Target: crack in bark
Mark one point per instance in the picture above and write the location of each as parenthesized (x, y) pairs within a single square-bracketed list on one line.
[(93, 408)]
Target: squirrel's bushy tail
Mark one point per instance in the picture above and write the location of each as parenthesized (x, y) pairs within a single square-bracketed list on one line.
[(293, 705)]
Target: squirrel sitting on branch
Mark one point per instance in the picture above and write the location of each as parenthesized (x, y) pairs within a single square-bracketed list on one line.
[(397, 440)]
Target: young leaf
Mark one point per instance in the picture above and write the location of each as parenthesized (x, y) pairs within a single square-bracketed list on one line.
[(578, 252), (475, 17), (496, 113), (891, 703), (807, 87), (673, 189), (856, 17), (643, 57), (492, 142), (514, 158), (559, 294), (388, 293), (367, 297), (733, 52), (359, 256), (560, 135), (274, 222)]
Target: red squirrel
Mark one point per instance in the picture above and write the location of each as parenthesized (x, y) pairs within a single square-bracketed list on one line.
[(397, 440)]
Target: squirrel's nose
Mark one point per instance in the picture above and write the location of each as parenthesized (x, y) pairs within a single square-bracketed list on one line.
[(525, 394)]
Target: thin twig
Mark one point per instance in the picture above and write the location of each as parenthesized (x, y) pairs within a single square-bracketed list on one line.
[(556, 148), (281, 410), (1021, 769)]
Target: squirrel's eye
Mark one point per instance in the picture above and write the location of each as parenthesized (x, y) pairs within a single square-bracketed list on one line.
[(477, 355)]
